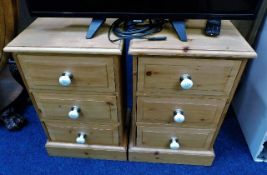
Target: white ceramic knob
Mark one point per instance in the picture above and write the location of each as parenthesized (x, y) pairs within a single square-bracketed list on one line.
[(65, 79), (81, 138), (186, 82), (174, 145), (179, 116), (74, 112)]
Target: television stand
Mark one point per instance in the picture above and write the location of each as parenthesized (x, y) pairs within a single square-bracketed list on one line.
[(96, 23), (94, 27), (180, 29)]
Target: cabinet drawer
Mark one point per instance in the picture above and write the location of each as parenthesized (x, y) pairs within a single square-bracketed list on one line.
[(93, 134), (161, 137), (163, 75), (89, 108), (89, 73), (204, 112)]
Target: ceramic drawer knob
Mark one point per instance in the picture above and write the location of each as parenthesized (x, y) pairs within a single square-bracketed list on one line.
[(65, 79), (81, 138), (74, 112), (186, 82), (174, 145), (179, 116)]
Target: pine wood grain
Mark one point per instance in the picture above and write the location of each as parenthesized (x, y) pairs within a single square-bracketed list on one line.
[(102, 134), (90, 73), (199, 112), (229, 45), (161, 75), (51, 46), (190, 157), (228, 103), (94, 108), (86, 151), (215, 69), (63, 35), (119, 87), (153, 136)]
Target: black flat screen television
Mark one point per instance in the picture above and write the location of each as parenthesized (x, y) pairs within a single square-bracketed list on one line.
[(137, 9)]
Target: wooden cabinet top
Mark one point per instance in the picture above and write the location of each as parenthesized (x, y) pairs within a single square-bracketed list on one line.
[(64, 35), (230, 44)]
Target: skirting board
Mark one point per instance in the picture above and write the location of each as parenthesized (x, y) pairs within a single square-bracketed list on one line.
[(171, 156), (86, 151)]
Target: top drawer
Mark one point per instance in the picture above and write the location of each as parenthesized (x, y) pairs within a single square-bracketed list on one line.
[(89, 73), (164, 75)]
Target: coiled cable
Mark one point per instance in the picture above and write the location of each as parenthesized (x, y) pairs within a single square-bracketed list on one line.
[(125, 29)]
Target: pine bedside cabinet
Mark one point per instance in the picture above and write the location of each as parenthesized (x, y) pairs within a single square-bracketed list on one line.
[(75, 86), (182, 91)]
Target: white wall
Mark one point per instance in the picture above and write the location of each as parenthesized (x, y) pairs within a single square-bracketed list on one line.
[(250, 102)]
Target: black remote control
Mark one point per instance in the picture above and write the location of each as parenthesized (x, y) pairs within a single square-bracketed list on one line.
[(213, 28)]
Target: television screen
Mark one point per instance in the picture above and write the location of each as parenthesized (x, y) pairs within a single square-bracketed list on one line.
[(174, 9)]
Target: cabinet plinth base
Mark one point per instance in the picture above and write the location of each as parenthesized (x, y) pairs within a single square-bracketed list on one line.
[(86, 151), (141, 154)]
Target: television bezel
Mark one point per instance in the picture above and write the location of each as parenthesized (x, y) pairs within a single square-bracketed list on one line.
[(131, 15)]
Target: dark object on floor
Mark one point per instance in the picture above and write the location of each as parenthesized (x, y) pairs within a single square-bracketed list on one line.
[(14, 98), (10, 89), (213, 28), (263, 154), (23, 99), (12, 120)]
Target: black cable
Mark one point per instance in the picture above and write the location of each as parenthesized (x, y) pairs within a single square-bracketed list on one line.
[(124, 29)]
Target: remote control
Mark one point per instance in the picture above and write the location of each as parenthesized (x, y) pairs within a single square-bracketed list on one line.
[(213, 28)]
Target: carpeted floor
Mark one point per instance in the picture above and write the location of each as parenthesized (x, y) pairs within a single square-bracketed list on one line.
[(23, 153)]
